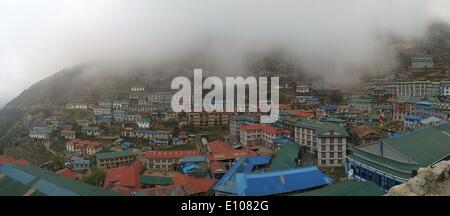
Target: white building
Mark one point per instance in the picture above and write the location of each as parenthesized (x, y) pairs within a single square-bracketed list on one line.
[(328, 140), (421, 62)]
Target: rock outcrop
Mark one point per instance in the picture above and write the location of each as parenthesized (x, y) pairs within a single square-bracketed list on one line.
[(432, 181)]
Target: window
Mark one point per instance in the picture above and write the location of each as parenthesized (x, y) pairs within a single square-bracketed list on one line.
[(340, 147), (331, 154), (339, 140), (323, 140), (339, 161), (331, 140), (331, 161), (323, 155), (323, 162), (331, 147), (323, 147), (339, 154)]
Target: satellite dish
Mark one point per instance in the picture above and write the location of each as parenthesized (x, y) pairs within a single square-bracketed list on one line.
[(350, 173)]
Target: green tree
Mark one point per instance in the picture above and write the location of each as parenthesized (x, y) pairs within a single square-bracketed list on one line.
[(57, 161), (96, 178)]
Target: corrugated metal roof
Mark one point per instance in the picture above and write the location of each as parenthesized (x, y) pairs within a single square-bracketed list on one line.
[(280, 181), (347, 188)]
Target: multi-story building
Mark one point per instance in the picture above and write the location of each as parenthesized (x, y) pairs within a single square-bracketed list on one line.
[(167, 160), (445, 88), (115, 159), (138, 92), (106, 103), (76, 106), (363, 104), (40, 133), (421, 62), (83, 147), (307, 100), (261, 134), (144, 122), (132, 117), (364, 135), (235, 124), (68, 134), (119, 115), (120, 104), (441, 110), (419, 89), (209, 119), (91, 131), (302, 89), (101, 111), (160, 97), (328, 140)]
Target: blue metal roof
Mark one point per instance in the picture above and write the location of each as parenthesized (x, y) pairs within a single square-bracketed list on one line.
[(280, 181), (244, 165), (413, 118)]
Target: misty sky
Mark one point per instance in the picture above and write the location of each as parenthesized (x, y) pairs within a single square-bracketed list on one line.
[(39, 38)]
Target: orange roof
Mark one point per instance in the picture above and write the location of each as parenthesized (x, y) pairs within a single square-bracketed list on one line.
[(67, 173), (6, 159), (198, 185), (220, 156), (84, 143), (303, 113), (124, 179), (363, 130), (219, 146), (167, 154), (183, 186), (263, 127)]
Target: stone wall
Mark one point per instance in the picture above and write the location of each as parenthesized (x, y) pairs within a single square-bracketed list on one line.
[(432, 181)]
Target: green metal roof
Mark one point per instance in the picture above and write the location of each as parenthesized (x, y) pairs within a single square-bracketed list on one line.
[(118, 154), (423, 146), (382, 164), (286, 156), (10, 186), (322, 129), (347, 188), (156, 180)]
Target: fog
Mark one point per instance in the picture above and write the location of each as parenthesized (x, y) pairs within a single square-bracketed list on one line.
[(337, 39)]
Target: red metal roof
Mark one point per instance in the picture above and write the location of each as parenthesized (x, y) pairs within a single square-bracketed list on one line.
[(6, 159), (84, 143), (164, 154), (221, 156), (219, 146), (183, 186), (124, 179), (67, 173), (264, 128), (303, 113)]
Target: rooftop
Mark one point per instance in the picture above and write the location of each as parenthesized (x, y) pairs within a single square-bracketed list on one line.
[(116, 154), (19, 180), (322, 129), (406, 152), (347, 188)]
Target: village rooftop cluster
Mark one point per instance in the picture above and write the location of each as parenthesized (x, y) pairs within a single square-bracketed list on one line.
[(363, 142)]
